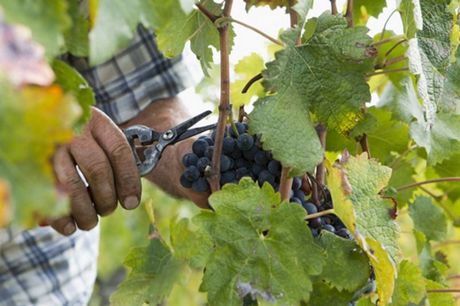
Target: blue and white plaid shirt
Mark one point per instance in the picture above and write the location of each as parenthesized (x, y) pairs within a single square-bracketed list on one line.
[(41, 267)]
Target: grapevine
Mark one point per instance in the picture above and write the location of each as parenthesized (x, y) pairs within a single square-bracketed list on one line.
[(332, 172)]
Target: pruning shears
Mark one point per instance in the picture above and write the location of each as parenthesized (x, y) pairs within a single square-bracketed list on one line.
[(151, 143)]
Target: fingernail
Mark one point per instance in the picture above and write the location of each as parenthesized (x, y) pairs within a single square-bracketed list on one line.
[(69, 228), (131, 202)]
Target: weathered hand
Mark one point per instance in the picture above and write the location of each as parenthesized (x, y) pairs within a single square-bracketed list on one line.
[(104, 157)]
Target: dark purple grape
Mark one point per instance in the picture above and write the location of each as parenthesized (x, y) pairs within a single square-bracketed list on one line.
[(296, 200), (265, 176), (227, 177), (241, 172), (199, 147), (226, 163), (315, 222), (344, 233), (200, 185), (299, 194), (189, 159), (296, 183), (209, 151), (236, 154), (274, 167), (256, 169), (310, 208), (208, 140), (251, 153), (329, 228), (240, 127), (191, 173), (241, 162), (185, 182), (229, 145), (245, 142), (261, 158), (202, 163)]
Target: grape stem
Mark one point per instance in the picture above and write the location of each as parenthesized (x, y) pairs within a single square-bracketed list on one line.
[(394, 47), (285, 184), (386, 23), (387, 40), (320, 214), (294, 19), (349, 13), (334, 7), (432, 181), (320, 170), (363, 141), (250, 82), (391, 61), (206, 12), (224, 105), (250, 27), (241, 113)]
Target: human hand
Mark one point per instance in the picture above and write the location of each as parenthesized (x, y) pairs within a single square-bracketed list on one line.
[(105, 158)]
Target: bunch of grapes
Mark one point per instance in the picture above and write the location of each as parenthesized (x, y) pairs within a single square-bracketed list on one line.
[(243, 156)]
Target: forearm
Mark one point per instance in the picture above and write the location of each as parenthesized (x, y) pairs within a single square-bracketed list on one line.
[(162, 115)]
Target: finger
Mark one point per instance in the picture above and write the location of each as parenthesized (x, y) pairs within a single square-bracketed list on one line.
[(117, 149), (81, 207), (64, 225), (96, 168)]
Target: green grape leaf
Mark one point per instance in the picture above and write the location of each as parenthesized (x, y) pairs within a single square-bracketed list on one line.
[(428, 218), (260, 247), (300, 6), (154, 271), (327, 74), (33, 122), (402, 173), (410, 285), (188, 244), (47, 20), (328, 296), (439, 298), (347, 266), (76, 36), (287, 132), (245, 69), (357, 181), (71, 81), (363, 8), (120, 19), (197, 28), (411, 17)]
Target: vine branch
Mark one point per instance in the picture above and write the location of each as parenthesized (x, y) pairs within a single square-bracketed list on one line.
[(432, 181), (224, 105), (250, 27), (285, 184), (349, 13), (363, 141), (320, 170), (206, 12), (334, 7)]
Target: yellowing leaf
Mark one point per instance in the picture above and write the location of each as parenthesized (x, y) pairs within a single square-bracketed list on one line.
[(5, 205)]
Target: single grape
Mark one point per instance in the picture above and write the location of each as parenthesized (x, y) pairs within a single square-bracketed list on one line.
[(299, 194), (199, 147), (245, 142), (241, 162), (189, 159), (191, 173), (256, 169), (208, 140), (295, 200), (344, 233), (261, 158), (274, 167), (227, 177), (202, 163), (265, 176), (228, 145), (209, 151), (185, 182), (240, 127), (315, 222), (236, 153), (226, 163), (200, 185), (251, 153), (328, 228), (310, 208), (296, 183), (241, 172)]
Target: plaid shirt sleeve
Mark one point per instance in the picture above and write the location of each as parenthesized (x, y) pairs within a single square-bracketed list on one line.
[(40, 267), (134, 78)]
